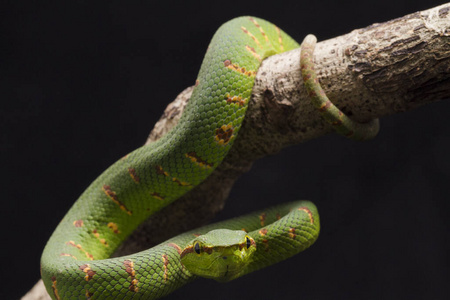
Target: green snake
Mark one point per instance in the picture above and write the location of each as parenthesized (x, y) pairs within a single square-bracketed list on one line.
[(75, 263)]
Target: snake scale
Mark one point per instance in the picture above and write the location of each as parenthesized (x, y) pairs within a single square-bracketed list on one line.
[(76, 261)]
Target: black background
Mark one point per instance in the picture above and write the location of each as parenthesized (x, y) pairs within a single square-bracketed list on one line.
[(83, 83)]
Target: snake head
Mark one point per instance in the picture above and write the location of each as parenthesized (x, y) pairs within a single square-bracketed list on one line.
[(220, 254)]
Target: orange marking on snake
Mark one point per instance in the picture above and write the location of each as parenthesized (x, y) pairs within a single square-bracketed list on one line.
[(69, 255), (124, 157), (54, 288), (312, 94), (97, 236), (113, 196), (307, 77), (260, 29), (224, 134), (236, 99), (78, 246), (338, 122), (166, 263), (113, 227), (253, 52), (235, 67), (262, 218), (129, 268), (310, 214), (180, 183), (280, 38), (198, 160), (278, 216), (263, 231), (160, 171), (173, 245), (187, 250), (133, 175), (325, 106), (197, 82), (252, 36), (292, 234), (89, 295), (157, 196), (266, 245), (86, 268), (78, 223)]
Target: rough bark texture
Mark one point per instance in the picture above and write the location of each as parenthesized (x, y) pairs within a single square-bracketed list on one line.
[(369, 73)]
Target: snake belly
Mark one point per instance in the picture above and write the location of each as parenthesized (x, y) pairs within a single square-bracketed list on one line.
[(75, 263)]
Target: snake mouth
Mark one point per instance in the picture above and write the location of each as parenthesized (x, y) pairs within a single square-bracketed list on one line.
[(228, 274), (223, 268)]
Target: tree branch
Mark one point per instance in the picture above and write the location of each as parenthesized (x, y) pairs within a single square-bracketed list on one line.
[(368, 73)]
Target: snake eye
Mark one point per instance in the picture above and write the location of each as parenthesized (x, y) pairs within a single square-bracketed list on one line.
[(197, 247), (248, 242)]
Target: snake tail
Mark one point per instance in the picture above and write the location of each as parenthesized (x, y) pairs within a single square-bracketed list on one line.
[(341, 123)]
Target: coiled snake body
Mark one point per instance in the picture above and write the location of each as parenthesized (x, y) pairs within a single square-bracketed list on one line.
[(75, 263)]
